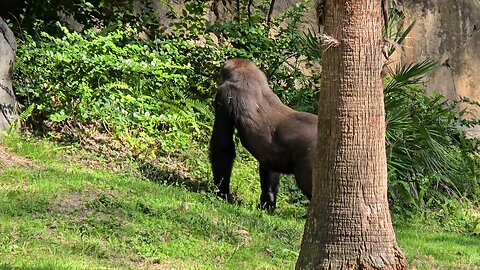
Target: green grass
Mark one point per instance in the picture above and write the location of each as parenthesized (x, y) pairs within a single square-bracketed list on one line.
[(429, 249), (69, 211)]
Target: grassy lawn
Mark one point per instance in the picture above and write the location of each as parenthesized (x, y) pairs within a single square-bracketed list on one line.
[(61, 211)]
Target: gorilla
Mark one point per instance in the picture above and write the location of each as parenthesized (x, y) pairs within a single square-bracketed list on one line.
[(281, 139)]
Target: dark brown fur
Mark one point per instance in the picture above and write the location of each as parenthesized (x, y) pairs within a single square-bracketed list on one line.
[(280, 138)]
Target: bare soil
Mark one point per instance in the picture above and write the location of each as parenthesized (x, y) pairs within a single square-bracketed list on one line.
[(8, 159)]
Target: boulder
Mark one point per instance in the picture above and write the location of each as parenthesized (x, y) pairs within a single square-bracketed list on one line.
[(8, 47)]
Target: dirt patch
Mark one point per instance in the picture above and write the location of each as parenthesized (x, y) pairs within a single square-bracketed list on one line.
[(72, 202), (76, 202), (79, 206), (8, 159), (153, 265)]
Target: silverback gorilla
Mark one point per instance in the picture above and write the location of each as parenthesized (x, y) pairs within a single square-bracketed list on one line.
[(281, 139)]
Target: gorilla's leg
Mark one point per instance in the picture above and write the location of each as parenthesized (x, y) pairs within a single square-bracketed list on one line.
[(303, 177), (269, 181)]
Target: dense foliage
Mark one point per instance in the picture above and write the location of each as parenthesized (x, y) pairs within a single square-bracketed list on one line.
[(429, 155), (110, 81), (155, 95)]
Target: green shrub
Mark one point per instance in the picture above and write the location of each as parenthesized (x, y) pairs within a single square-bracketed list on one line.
[(429, 156), (111, 81), (431, 162)]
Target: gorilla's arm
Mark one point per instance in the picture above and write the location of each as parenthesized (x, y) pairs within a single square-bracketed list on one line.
[(222, 147)]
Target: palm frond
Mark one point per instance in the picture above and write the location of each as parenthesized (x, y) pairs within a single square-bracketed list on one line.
[(410, 74)]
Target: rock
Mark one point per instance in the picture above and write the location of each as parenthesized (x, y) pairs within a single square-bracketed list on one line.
[(449, 33), (8, 48)]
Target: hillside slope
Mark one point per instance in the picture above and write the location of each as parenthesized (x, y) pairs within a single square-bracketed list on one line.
[(60, 209)]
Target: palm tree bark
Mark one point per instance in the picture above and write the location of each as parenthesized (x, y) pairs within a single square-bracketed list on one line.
[(348, 224)]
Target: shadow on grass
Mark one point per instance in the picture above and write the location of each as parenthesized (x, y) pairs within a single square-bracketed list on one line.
[(155, 173), (158, 174)]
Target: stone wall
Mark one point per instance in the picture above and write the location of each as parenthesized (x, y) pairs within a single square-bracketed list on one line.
[(447, 31), (8, 47), (220, 10)]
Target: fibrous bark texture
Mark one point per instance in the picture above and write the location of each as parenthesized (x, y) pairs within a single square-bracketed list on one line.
[(348, 224), (8, 47)]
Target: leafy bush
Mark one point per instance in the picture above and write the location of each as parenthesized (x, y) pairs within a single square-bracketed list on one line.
[(431, 163), (110, 81), (31, 16), (429, 155)]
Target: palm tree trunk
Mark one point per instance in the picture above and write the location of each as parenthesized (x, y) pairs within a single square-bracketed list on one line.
[(348, 224)]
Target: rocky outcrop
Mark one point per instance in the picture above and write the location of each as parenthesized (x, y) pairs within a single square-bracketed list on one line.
[(447, 31), (8, 47)]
